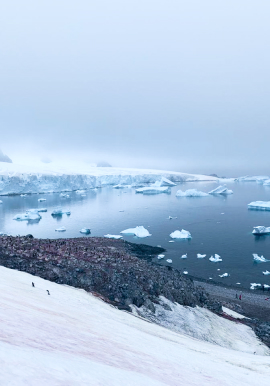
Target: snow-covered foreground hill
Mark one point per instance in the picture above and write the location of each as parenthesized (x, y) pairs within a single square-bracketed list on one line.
[(17, 179), (73, 338)]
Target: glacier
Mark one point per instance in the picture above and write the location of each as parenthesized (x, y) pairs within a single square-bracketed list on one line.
[(222, 189), (191, 193), (22, 179), (183, 234), (259, 205)]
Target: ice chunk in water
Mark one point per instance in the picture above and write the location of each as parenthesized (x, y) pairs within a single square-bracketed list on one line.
[(80, 191), (185, 272), (1, 202), (254, 285), (161, 257), (62, 229), (266, 272), (200, 256), (59, 212), (221, 190), (215, 259), (259, 259), (153, 190), (191, 193), (169, 260), (31, 214), (120, 186), (266, 182), (139, 231), (41, 199), (224, 275), (180, 234), (259, 205), (108, 236), (261, 230), (63, 195), (85, 231), (163, 182), (184, 256)]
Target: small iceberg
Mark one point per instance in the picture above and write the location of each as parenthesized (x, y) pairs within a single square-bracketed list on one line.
[(185, 272), (266, 273), (251, 178), (38, 210), (1, 202), (139, 231), (191, 193), (153, 190), (259, 259), (163, 182), (29, 215), (80, 191), (254, 285), (171, 218), (184, 256), (266, 182), (62, 229), (261, 230), (169, 260), (221, 190), (42, 199), (60, 212), (215, 259), (23, 195), (116, 237), (120, 186), (161, 257), (64, 195), (199, 256), (180, 234), (85, 231), (224, 275), (259, 205)]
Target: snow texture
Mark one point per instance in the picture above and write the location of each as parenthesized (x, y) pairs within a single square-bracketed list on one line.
[(18, 179), (139, 231), (180, 234), (259, 205), (221, 190), (191, 193)]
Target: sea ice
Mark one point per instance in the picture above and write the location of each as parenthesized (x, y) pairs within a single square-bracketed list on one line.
[(221, 190), (120, 186), (200, 256), (80, 191), (169, 260), (180, 234), (266, 272), (191, 193), (266, 182), (251, 178), (215, 259), (259, 205), (161, 257), (64, 195), (171, 218), (41, 199), (62, 229), (153, 190), (139, 231), (60, 212), (1, 202), (254, 285), (108, 236), (184, 256), (224, 275), (163, 182), (23, 195), (259, 259), (261, 230), (31, 214), (85, 231)]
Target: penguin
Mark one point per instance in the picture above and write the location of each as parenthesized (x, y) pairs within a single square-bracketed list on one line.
[(48, 292), (33, 284)]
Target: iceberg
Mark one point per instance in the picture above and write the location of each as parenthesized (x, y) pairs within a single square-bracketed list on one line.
[(60, 212), (185, 272), (1, 202), (259, 259), (62, 229), (64, 195), (161, 257), (180, 234), (31, 214), (266, 182), (224, 275), (184, 256), (221, 190), (120, 186), (215, 259), (85, 231), (261, 230), (199, 256), (139, 231), (80, 191), (169, 260), (254, 285), (259, 205), (108, 236), (153, 190), (23, 195), (266, 272), (163, 182), (41, 199), (191, 193), (172, 218)]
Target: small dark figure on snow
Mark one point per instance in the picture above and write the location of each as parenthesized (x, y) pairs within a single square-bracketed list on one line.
[(236, 296), (48, 292), (33, 284)]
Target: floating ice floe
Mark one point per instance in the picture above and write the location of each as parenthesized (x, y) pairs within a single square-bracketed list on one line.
[(266, 286), (266, 182), (62, 229), (1, 202), (120, 186), (108, 236), (163, 182), (259, 259), (31, 214), (185, 272), (169, 260), (171, 241), (180, 234), (254, 285), (224, 275), (191, 193), (259, 205), (266, 272), (251, 178), (153, 190), (215, 259), (23, 195), (42, 199), (37, 210), (85, 231), (80, 191), (261, 230), (139, 231), (221, 190), (60, 212), (184, 256), (199, 256), (64, 195), (161, 257), (172, 218), (238, 283)]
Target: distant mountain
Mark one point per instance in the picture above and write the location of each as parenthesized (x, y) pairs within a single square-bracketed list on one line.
[(4, 158)]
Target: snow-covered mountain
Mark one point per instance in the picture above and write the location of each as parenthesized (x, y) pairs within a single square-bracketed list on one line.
[(18, 179), (71, 337)]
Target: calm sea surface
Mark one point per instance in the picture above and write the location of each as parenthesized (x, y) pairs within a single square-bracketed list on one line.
[(218, 224)]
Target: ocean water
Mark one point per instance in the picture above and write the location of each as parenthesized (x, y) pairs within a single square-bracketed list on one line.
[(218, 224)]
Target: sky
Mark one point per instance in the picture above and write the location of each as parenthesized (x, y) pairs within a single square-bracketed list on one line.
[(176, 85)]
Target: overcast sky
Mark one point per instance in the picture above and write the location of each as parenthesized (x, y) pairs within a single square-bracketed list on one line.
[(180, 85)]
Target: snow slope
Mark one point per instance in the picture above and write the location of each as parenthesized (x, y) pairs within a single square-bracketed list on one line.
[(17, 179), (72, 338)]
